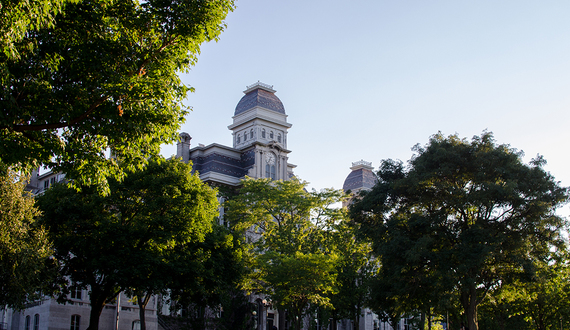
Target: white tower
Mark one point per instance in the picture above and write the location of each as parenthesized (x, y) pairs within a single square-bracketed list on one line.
[(260, 122)]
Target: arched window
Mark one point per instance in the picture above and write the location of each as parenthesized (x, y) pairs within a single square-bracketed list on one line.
[(279, 138), (244, 136), (238, 139), (37, 322), (270, 172), (263, 133), (251, 133), (27, 324), (75, 322), (271, 134)]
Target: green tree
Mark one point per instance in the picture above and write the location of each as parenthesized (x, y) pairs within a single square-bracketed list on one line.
[(543, 300), (94, 77), (289, 229), (471, 214), (121, 240), (355, 268), (207, 275), (17, 17), (24, 247)]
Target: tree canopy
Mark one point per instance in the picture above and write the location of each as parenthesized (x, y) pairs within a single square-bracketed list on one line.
[(82, 79), (24, 246), (465, 215), (133, 237), (289, 229)]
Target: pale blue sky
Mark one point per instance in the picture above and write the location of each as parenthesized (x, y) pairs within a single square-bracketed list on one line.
[(370, 79)]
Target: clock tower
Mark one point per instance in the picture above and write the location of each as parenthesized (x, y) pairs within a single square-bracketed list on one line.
[(260, 126)]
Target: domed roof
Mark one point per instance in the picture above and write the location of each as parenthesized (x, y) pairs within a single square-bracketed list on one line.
[(361, 177), (262, 95)]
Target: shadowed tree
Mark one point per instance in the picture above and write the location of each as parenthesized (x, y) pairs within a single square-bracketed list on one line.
[(122, 240), (484, 215)]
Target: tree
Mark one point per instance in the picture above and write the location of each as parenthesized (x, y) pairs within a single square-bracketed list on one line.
[(206, 276), (88, 78), (130, 237), (542, 300), (477, 215), (289, 227), (355, 268), (24, 247)]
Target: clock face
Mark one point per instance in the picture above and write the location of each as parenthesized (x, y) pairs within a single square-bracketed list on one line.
[(270, 159)]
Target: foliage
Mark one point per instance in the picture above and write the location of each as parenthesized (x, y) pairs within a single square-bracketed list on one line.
[(17, 17), (206, 271), (462, 217), (542, 300), (82, 79), (289, 229), (355, 268), (24, 247), (130, 237)]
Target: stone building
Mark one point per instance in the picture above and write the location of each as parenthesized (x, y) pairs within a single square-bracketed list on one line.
[(259, 150)]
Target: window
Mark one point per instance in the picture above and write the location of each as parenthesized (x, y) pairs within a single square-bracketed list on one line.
[(76, 292), (251, 134), (279, 138), (238, 139), (36, 322), (137, 325), (270, 171), (245, 136), (46, 184), (27, 324), (75, 321), (263, 133), (271, 134)]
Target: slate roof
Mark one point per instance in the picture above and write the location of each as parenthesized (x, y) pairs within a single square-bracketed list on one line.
[(360, 178), (215, 162), (262, 98)]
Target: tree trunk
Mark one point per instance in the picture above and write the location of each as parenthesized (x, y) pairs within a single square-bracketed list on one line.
[(333, 325), (99, 296), (357, 318), (97, 300), (96, 309), (282, 318), (422, 320), (469, 302), (143, 301)]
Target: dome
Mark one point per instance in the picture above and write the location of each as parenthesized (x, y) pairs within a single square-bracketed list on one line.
[(262, 95), (361, 177)]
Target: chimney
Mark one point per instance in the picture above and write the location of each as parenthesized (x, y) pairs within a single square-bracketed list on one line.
[(183, 147)]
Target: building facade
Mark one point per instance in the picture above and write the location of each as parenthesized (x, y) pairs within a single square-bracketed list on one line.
[(259, 150)]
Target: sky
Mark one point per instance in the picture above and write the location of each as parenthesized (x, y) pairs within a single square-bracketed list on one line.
[(368, 80)]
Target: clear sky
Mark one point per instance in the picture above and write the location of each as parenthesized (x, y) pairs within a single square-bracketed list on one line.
[(370, 79)]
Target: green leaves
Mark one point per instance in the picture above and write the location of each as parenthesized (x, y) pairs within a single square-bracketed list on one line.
[(134, 237), (463, 216), (292, 238), (101, 77), (24, 246)]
